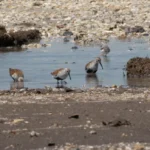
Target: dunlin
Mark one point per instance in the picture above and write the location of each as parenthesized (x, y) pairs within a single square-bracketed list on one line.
[(92, 66), (16, 74), (105, 50), (61, 74)]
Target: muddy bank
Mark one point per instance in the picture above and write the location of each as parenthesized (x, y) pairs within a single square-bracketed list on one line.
[(39, 118), (74, 95), (34, 125)]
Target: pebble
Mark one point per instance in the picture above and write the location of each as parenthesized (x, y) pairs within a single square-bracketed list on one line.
[(93, 132), (33, 133), (77, 18), (55, 89), (118, 146), (3, 120)]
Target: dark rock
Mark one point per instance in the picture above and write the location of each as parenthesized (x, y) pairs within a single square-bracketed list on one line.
[(74, 47), (38, 92), (26, 24), (74, 116), (18, 38), (138, 67), (23, 37), (51, 144), (67, 33), (136, 29), (145, 34), (116, 123), (37, 4), (10, 49), (68, 89), (6, 40), (79, 37), (2, 29), (113, 27)]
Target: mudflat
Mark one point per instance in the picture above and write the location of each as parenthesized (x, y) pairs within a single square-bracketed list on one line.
[(34, 120)]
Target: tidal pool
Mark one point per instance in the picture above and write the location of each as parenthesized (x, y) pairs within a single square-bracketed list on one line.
[(37, 64)]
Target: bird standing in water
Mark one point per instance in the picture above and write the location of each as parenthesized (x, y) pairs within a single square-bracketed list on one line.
[(61, 74), (105, 50), (16, 74), (92, 66)]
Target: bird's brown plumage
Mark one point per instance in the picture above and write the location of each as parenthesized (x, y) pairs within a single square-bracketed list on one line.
[(54, 73), (17, 71)]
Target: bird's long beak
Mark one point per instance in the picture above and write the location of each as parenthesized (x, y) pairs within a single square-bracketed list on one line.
[(69, 76), (101, 64)]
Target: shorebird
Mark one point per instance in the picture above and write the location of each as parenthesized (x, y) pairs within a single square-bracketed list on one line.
[(105, 50), (16, 74), (92, 66), (61, 74)]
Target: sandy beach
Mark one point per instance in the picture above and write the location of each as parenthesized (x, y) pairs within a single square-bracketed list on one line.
[(97, 118)]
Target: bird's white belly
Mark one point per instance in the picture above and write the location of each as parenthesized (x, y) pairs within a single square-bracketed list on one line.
[(61, 75), (15, 76)]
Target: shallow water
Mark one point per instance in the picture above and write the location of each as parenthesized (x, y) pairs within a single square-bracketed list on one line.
[(38, 63)]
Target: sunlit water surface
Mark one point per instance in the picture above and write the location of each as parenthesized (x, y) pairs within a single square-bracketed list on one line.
[(37, 64)]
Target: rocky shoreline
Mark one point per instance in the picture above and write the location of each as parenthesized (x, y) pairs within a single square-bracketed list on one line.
[(89, 21), (48, 95)]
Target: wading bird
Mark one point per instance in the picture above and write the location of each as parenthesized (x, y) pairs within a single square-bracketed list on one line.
[(105, 50), (16, 74), (92, 66), (61, 74)]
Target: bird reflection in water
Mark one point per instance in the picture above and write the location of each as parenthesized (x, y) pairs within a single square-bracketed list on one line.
[(92, 80), (138, 82), (105, 59), (16, 85)]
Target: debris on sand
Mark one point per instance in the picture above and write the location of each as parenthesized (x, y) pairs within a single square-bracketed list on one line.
[(51, 144), (93, 132), (74, 117), (34, 134), (138, 67), (116, 123)]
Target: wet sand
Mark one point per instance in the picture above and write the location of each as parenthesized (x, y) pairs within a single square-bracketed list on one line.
[(84, 122)]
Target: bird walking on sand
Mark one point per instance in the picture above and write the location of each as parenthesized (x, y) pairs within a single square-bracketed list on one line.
[(61, 74), (92, 66), (105, 50), (16, 74)]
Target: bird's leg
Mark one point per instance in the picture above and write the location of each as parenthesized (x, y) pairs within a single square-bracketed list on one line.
[(65, 82), (57, 82), (62, 86), (61, 82)]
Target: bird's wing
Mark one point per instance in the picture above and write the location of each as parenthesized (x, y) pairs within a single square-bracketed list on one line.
[(87, 65), (56, 72)]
